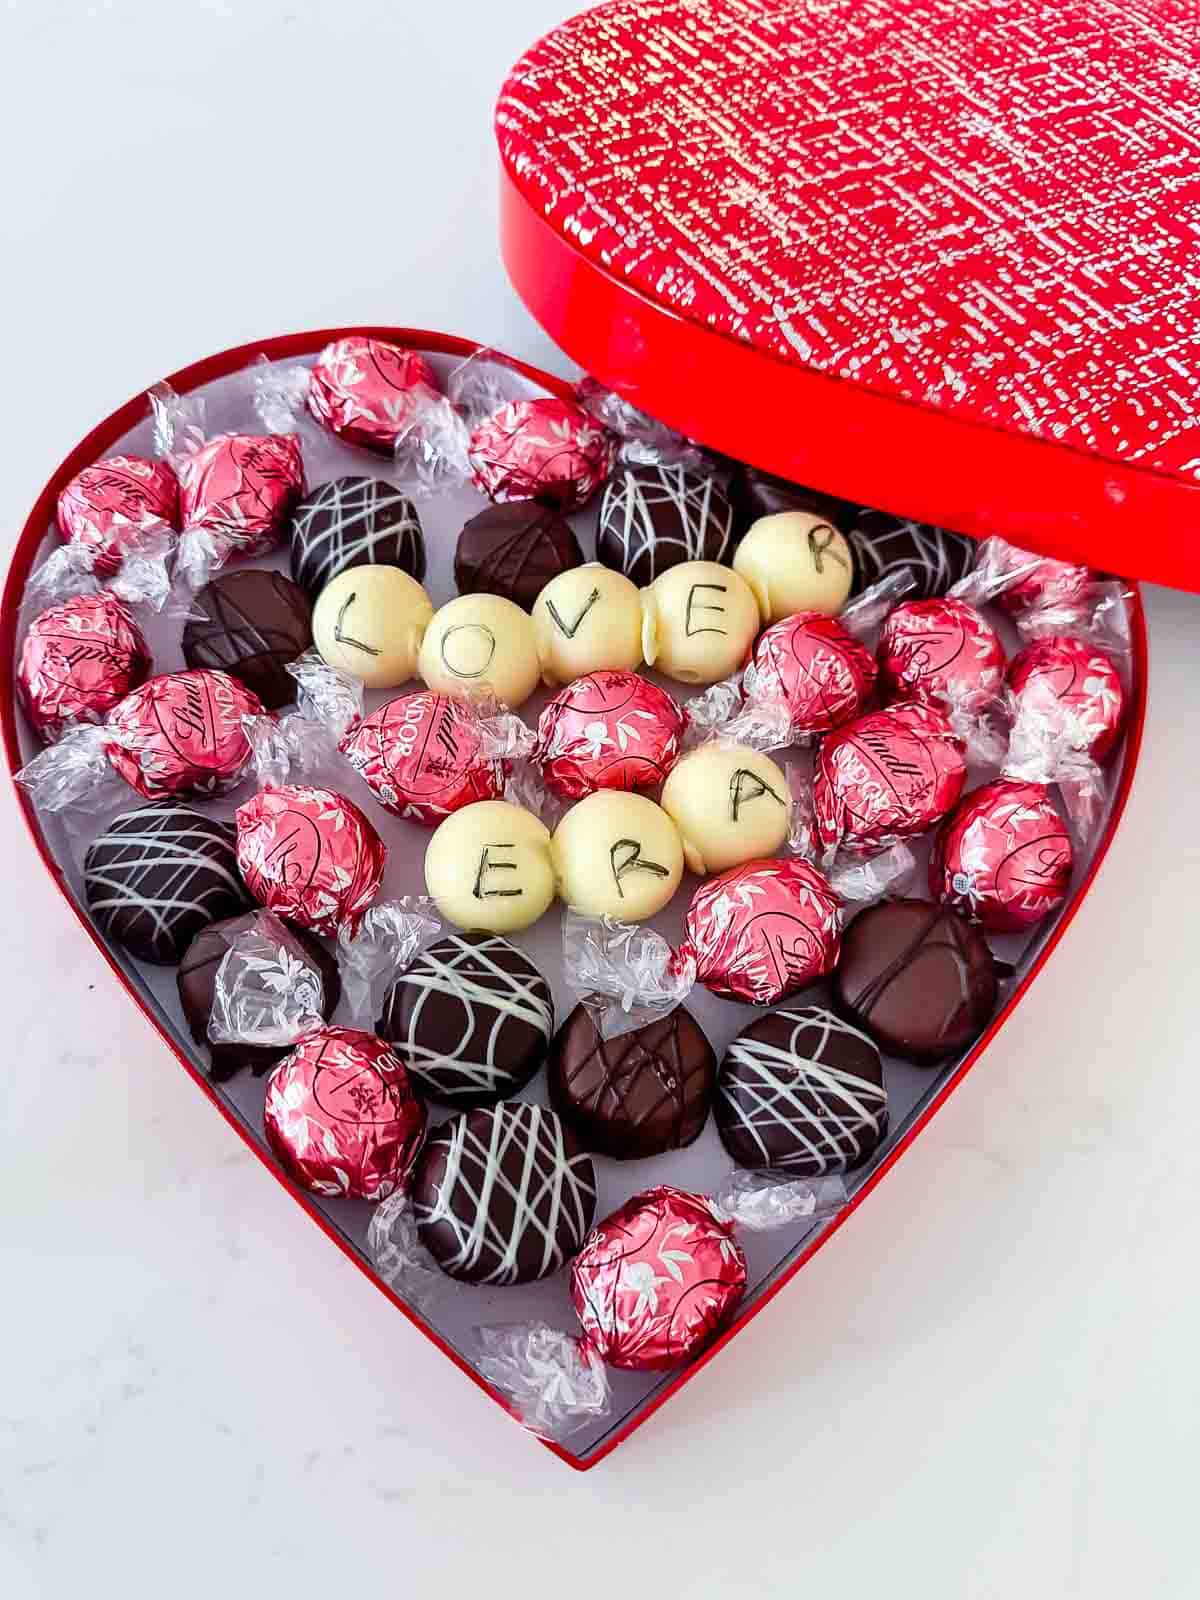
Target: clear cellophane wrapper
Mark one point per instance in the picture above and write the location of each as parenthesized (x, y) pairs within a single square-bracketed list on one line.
[(266, 991)]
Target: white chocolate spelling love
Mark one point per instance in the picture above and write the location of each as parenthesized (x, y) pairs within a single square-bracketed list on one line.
[(795, 561), (481, 643), (730, 803), (369, 622)]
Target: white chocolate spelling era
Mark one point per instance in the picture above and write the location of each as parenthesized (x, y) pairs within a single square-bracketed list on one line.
[(795, 561), (730, 803), (617, 854), (488, 867), (369, 622), (701, 619), (589, 619), (481, 643)]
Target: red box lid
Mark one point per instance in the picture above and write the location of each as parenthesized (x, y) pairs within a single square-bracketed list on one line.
[(936, 256)]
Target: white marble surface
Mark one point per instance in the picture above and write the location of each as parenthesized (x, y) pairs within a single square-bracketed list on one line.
[(985, 1386)]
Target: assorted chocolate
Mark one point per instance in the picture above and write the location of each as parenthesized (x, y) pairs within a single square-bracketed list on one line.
[(250, 623), (182, 733), (654, 517), (514, 549), (241, 488), (424, 756), (547, 450), (78, 661), (309, 855), (354, 522), (105, 508), (882, 545), (369, 392), (608, 730)]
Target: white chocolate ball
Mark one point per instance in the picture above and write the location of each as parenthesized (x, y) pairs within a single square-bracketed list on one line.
[(702, 619), (588, 619), (488, 867), (795, 561), (730, 803), (369, 622), (481, 643), (617, 854)]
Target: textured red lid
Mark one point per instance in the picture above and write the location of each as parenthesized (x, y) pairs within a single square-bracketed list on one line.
[(938, 256)]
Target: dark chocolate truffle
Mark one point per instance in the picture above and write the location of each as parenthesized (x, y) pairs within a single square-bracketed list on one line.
[(638, 1094), (756, 494), (917, 977), (197, 979), (250, 623), (514, 550), (471, 1019), (354, 522), (158, 875), (803, 1091), (654, 518), (882, 544), (503, 1194)]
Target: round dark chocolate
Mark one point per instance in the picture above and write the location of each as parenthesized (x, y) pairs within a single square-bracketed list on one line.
[(917, 977), (354, 522), (158, 875), (250, 623), (635, 1095), (801, 1090), (503, 1194), (471, 1019), (514, 550), (655, 518), (756, 494), (882, 544), (197, 980)]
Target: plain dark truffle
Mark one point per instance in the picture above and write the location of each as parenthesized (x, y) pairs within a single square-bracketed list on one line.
[(635, 1095), (158, 875), (197, 978), (503, 1194), (917, 977), (250, 623), (655, 518), (801, 1090), (514, 550), (354, 522), (756, 494), (882, 544), (471, 1019)]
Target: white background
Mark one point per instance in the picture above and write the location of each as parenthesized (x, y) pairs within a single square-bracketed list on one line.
[(985, 1386)]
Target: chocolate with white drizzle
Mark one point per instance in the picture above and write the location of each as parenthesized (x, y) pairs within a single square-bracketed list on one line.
[(655, 517), (354, 522)]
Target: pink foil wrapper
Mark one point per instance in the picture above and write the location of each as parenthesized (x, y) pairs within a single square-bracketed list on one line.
[(182, 733), (369, 392), (241, 489), (818, 668), (309, 855), (78, 660), (762, 931), (546, 450), (888, 776), (1049, 583), (1085, 683), (940, 652), (422, 757), (342, 1117), (1003, 856), (608, 730), (120, 499), (655, 1280)]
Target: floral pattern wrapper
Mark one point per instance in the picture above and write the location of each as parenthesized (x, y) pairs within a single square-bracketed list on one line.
[(78, 660), (546, 450), (655, 1280), (370, 393), (182, 733), (118, 500), (341, 1115), (940, 652), (309, 855), (1003, 857), (819, 669), (240, 489), (888, 776), (608, 730), (1085, 684), (424, 756), (1048, 583)]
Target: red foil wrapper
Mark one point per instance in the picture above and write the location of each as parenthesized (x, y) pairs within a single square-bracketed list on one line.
[(762, 931), (1049, 583), (342, 1117), (608, 730), (545, 450), (120, 499), (241, 488), (181, 733), (421, 756), (887, 776), (821, 671), (309, 855), (78, 660), (655, 1280), (1003, 857), (368, 392), (1085, 683), (941, 652)]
